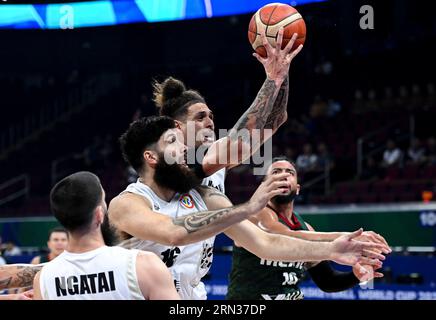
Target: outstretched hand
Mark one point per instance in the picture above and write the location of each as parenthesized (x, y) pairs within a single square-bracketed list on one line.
[(371, 236), (278, 60), (348, 251)]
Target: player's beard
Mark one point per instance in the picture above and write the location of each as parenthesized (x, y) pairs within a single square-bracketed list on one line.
[(108, 231), (175, 177), (284, 199)]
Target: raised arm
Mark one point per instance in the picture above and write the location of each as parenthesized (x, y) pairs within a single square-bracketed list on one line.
[(268, 110), (132, 214)]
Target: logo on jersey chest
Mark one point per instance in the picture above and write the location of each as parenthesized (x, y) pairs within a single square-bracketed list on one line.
[(187, 201)]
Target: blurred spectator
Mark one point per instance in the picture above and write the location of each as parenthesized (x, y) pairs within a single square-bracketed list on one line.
[(358, 106), (290, 153), (308, 160), (56, 244), (92, 155), (2, 261), (370, 171), (333, 107), (310, 125), (318, 108), (403, 97), (324, 68), (11, 250), (294, 127), (431, 151), (415, 153), (371, 104), (325, 159), (392, 156)]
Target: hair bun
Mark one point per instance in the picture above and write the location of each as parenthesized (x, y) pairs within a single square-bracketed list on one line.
[(169, 89)]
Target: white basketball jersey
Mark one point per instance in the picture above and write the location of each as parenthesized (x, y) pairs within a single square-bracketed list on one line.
[(189, 263), (216, 180), (106, 273)]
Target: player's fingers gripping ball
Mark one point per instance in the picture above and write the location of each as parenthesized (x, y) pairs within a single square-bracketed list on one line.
[(270, 19)]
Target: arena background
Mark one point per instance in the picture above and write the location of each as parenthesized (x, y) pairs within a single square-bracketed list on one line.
[(67, 94)]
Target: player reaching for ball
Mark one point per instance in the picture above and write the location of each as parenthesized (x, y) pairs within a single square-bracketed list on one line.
[(268, 111)]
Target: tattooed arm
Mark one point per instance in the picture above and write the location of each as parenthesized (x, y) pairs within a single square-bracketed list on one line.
[(278, 114), (268, 111), (132, 215), (18, 275)]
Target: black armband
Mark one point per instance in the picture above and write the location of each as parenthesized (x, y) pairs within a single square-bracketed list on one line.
[(330, 280)]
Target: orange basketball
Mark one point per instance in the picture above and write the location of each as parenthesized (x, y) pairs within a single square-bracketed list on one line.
[(270, 18)]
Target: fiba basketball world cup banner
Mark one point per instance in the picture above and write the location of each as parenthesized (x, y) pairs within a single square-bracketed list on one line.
[(218, 290), (380, 292)]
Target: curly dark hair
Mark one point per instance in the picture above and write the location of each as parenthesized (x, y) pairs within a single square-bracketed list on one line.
[(140, 135)]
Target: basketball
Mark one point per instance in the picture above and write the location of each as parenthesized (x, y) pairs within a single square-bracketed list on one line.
[(270, 18)]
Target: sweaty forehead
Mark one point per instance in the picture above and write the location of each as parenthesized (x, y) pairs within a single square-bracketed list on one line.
[(198, 107), (282, 165)]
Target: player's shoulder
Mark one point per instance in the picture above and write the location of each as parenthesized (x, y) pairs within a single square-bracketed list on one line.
[(207, 191), (149, 259), (128, 199), (203, 189)]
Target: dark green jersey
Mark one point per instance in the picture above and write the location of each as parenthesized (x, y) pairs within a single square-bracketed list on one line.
[(254, 278)]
